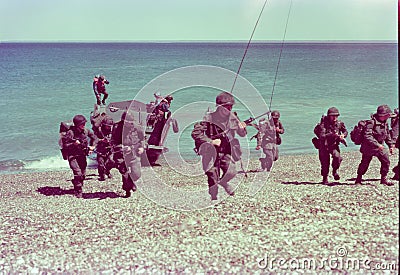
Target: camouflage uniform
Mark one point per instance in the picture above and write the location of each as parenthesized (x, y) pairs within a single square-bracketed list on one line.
[(127, 140), (376, 133), (215, 158), (76, 144), (103, 149), (328, 132)]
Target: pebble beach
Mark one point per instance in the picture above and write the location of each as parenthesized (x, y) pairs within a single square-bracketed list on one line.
[(292, 224)]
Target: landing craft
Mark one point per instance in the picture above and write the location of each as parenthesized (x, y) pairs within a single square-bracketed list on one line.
[(155, 131)]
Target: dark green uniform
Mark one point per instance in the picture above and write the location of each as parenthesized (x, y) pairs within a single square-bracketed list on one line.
[(376, 134), (328, 132), (127, 138), (77, 154), (222, 125)]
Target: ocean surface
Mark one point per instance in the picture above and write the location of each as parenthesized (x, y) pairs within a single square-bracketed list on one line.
[(43, 84)]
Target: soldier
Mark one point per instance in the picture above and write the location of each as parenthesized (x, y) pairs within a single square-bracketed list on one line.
[(128, 144), (214, 138), (99, 87), (376, 133), (394, 133), (330, 132), (268, 138), (103, 149), (76, 144)]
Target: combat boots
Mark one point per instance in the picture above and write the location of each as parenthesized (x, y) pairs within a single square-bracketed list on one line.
[(358, 179), (336, 175), (385, 181), (325, 180)]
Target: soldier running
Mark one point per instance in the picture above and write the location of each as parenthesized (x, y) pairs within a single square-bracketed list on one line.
[(376, 133), (330, 132), (213, 138), (76, 144), (128, 144)]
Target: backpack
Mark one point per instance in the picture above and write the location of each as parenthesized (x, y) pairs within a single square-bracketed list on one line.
[(357, 134), (64, 128)]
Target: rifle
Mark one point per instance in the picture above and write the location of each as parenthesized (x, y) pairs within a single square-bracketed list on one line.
[(251, 119)]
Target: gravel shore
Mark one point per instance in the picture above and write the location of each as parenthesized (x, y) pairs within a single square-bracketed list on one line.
[(293, 223)]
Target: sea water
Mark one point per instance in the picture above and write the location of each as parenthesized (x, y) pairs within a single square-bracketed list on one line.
[(45, 83)]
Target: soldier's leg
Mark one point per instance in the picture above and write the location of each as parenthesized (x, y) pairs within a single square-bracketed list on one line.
[(363, 167), (98, 97), (336, 161), (269, 158), (209, 163), (101, 166), (276, 153), (324, 159), (78, 176), (396, 171), (383, 157), (228, 168), (109, 164), (212, 178)]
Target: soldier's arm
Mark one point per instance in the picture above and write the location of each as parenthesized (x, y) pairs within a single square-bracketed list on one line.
[(369, 134), (198, 133), (92, 138), (389, 141), (281, 129), (343, 130)]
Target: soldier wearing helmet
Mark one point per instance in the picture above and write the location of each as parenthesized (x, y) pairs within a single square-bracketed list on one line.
[(78, 147), (268, 137), (99, 87), (215, 142), (375, 135), (127, 141), (103, 149), (394, 133), (330, 132)]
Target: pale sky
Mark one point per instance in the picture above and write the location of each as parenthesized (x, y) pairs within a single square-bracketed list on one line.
[(160, 20)]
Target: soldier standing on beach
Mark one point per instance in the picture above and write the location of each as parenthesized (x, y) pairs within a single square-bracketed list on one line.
[(394, 133), (376, 133), (128, 144), (76, 144), (330, 132), (214, 138), (103, 148), (268, 138)]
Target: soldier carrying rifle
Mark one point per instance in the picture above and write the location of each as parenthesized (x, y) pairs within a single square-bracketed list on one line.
[(330, 132)]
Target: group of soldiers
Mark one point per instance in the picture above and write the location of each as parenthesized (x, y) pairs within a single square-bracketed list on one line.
[(118, 145), (331, 132), (121, 144)]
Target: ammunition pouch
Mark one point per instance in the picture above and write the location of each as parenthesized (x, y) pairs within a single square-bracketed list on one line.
[(316, 142)]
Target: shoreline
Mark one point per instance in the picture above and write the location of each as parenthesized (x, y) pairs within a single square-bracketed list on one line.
[(293, 216)]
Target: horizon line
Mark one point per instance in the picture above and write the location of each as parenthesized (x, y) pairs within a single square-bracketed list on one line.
[(199, 41)]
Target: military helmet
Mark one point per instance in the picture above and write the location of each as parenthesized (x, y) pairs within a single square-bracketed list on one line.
[(275, 114), (333, 111), (79, 120), (383, 110), (128, 117), (225, 98)]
